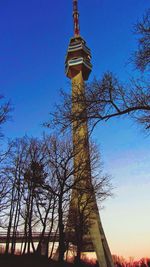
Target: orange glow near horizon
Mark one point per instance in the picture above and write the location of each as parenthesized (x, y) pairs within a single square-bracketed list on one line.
[(90, 258)]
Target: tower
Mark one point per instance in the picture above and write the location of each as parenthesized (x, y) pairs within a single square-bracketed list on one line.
[(78, 67)]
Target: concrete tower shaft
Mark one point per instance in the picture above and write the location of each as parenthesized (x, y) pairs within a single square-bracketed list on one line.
[(78, 67)]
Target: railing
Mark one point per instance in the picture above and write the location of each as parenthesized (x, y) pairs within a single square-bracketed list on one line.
[(20, 236)]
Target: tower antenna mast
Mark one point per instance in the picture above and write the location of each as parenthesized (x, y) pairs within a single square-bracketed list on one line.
[(76, 18)]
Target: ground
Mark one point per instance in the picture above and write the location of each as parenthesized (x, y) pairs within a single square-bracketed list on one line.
[(31, 261)]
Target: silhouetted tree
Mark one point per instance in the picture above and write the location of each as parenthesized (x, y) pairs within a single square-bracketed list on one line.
[(108, 97), (38, 179), (14, 172), (34, 178), (142, 55), (59, 158), (5, 109)]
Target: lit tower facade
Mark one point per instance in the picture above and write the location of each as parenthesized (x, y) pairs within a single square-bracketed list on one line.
[(78, 67)]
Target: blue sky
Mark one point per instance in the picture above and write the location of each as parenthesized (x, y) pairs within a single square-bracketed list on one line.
[(34, 35)]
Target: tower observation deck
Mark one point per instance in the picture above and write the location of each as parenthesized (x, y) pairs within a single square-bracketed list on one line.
[(78, 58), (78, 68)]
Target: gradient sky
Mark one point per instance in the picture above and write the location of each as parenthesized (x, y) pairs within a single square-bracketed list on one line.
[(34, 35)]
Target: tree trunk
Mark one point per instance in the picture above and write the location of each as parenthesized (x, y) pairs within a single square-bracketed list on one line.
[(61, 232), (11, 213)]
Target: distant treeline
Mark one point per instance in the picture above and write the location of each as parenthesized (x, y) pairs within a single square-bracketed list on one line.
[(122, 262), (33, 260)]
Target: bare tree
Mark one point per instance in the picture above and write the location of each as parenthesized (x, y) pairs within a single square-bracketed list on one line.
[(37, 183), (108, 97), (13, 171), (34, 178), (5, 109), (21, 175), (142, 55), (59, 159), (4, 190)]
